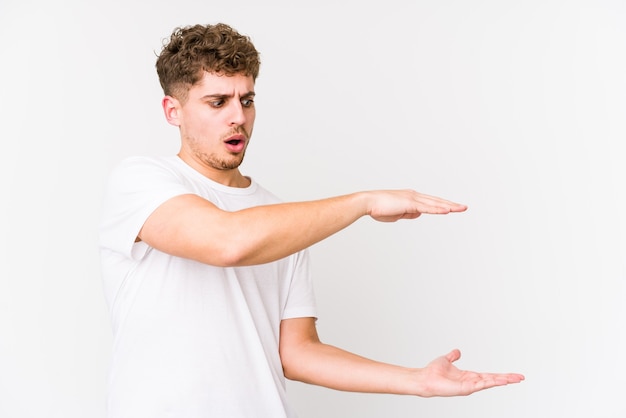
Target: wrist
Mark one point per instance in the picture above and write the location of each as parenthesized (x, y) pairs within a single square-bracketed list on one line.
[(362, 202)]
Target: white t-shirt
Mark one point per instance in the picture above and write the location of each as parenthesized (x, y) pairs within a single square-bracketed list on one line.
[(192, 340)]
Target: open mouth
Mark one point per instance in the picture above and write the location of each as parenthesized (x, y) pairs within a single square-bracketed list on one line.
[(235, 145)]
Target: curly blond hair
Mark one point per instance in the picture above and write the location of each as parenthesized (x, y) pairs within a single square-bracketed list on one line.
[(192, 50)]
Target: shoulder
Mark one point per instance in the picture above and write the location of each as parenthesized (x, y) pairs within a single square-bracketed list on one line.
[(140, 168), (141, 178), (145, 163), (264, 194)]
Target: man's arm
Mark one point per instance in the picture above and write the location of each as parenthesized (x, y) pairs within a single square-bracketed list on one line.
[(191, 227), (306, 359)]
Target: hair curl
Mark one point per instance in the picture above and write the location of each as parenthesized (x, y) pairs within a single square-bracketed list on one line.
[(191, 50)]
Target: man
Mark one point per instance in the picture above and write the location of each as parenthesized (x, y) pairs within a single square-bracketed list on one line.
[(206, 273)]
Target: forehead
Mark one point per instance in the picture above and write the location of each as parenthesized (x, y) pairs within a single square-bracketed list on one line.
[(221, 84)]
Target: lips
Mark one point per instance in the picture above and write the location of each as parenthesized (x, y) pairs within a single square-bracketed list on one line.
[(235, 143)]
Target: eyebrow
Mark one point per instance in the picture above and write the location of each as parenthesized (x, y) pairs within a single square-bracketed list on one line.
[(225, 96)]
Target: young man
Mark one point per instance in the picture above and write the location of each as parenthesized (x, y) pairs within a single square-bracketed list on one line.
[(206, 273)]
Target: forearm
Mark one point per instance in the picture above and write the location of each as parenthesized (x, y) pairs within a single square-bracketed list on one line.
[(191, 227), (306, 359), (325, 365), (266, 233)]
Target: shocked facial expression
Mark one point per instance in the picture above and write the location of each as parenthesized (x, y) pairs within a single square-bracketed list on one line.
[(215, 121)]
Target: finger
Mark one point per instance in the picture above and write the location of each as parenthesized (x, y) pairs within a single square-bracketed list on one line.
[(457, 207), (514, 377), (411, 215), (438, 201), (453, 355), (499, 379), (440, 207)]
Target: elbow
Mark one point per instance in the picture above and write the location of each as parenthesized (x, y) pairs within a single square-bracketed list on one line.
[(297, 363), (289, 369), (247, 252), (231, 255), (289, 360), (289, 375), (297, 370), (225, 257)]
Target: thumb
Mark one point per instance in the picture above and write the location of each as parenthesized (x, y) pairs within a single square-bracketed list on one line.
[(453, 355)]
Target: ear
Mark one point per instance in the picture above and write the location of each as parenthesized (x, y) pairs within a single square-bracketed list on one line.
[(171, 108)]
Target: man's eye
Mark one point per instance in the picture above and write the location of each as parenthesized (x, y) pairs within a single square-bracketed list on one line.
[(217, 103), (247, 102)]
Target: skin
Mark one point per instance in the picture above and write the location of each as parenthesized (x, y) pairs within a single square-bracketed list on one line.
[(307, 359), (215, 124)]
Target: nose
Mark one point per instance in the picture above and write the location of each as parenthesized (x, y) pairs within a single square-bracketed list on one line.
[(237, 114)]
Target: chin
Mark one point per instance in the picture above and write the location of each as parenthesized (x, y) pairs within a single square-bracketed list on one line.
[(231, 165)]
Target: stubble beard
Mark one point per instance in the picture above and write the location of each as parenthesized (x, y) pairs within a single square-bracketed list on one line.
[(231, 161), (218, 163)]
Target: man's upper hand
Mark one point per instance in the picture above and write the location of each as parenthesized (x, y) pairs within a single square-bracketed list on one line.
[(441, 378), (393, 205)]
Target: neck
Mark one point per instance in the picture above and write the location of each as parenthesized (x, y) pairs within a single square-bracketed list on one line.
[(227, 177)]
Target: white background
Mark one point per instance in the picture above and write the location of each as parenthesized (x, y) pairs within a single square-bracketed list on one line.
[(514, 108)]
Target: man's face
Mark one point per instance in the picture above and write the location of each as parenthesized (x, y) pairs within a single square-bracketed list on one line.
[(216, 122)]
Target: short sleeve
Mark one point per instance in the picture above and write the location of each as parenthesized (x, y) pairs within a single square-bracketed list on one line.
[(136, 187), (301, 298)]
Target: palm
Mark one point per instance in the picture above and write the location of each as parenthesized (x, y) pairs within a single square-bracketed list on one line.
[(444, 379)]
